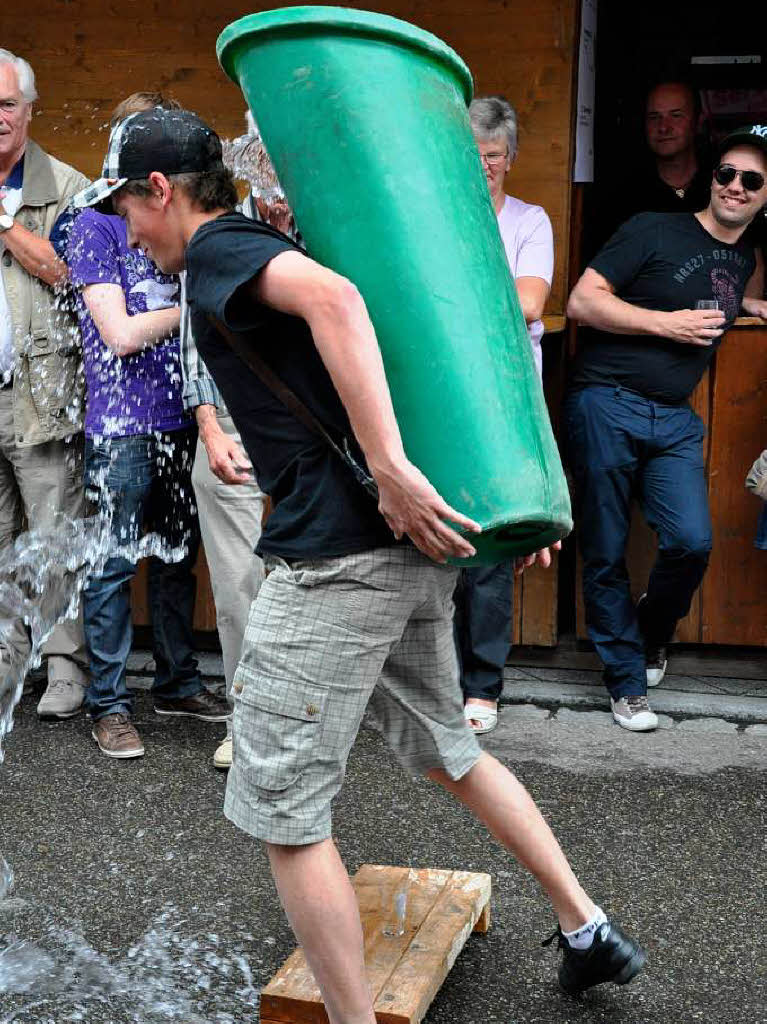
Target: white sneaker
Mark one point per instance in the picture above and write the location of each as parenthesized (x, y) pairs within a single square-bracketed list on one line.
[(655, 658), (656, 664), (63, 698), (223, 755), (634, 713)]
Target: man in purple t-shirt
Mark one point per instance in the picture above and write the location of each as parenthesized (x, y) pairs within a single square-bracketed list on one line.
[(139, 448)]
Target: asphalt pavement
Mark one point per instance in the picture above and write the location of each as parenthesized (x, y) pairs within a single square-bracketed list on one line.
[(135, 900)]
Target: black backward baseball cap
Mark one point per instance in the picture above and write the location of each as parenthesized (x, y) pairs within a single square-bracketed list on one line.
[(169, 141)]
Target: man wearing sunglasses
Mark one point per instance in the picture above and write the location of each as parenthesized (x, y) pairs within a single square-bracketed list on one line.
[(658, 298)]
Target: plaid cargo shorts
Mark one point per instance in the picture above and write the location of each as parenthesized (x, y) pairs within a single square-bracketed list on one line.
[(324, 639)]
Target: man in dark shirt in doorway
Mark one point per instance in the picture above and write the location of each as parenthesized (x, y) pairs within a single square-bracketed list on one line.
[(682, 180), (352, 613), (674, 176), (659, 297)]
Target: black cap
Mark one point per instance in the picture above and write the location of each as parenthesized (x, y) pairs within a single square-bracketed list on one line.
[(751, 135), (169, 141)]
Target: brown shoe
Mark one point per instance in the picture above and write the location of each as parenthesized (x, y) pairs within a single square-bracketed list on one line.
[(117, 736), (204, 705)]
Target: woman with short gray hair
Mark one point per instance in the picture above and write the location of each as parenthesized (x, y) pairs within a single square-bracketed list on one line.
[(484, 595), (493, 116), (525, 229)]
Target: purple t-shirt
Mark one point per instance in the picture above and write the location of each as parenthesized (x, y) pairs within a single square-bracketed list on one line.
[(135, 394)]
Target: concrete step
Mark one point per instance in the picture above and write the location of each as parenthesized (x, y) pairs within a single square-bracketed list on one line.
[(743, 709)]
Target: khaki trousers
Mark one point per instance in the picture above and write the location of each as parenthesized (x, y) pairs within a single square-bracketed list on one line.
[(230, 523), (36, 485)]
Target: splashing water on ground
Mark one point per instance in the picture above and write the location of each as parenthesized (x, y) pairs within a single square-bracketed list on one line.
[(60, 977), (164, 976)]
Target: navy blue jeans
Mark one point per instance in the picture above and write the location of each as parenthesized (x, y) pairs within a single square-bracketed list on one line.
[(146, 481), (622, 446), (761, 530), (483, 609)]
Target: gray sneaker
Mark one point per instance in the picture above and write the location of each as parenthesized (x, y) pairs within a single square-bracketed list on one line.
[(117, 736), (634, 713), (63, 698)]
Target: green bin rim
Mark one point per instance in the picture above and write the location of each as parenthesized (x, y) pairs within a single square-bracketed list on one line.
[(311, 20)]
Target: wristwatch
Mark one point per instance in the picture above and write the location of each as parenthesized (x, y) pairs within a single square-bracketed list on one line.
[(6, 221)]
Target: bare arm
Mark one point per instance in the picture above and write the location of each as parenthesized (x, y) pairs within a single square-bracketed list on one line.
[(346, 342), (593, 301), (754, 303), (226, 458), (533, 293), (36, 255), (122, 333)]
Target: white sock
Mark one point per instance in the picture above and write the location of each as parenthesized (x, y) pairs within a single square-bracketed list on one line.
[(582, 937)]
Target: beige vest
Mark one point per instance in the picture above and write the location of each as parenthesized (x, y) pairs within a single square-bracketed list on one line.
[(48, 383)]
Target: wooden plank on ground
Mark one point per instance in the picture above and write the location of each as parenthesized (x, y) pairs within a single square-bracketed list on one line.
[(429, 958), (404, 971)]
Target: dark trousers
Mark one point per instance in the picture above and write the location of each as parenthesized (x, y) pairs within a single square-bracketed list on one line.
[(483, 609), (622, 446), (142, 481)]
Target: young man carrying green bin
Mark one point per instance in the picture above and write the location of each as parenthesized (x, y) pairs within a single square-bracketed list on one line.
[(357, 607)]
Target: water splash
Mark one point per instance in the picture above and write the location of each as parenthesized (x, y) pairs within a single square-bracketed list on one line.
[(6, 879), (58, 976), (42, 575), (247, 159), (165, 976)]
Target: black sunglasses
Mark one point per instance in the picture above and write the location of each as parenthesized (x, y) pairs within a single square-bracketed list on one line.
[(751, 181)]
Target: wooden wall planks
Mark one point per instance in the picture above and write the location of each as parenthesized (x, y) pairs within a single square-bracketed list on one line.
[(88, 55), (734, 592)]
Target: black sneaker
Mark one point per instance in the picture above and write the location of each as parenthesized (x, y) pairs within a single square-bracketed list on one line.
[(612, 956), (204, 705)]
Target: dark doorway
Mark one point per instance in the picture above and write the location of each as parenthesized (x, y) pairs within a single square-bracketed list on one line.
[(723, 58)]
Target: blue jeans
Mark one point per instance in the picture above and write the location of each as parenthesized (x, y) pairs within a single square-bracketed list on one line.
[(761, 530), (146, 479), (622, 446), (483, 610)]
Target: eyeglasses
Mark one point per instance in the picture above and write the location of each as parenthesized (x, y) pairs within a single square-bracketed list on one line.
[(494, 159), (751, 181)]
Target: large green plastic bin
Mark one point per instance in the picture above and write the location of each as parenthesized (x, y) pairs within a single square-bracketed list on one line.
[(365, 118)]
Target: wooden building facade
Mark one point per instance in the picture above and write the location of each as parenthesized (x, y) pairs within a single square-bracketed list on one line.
[(89, 55)]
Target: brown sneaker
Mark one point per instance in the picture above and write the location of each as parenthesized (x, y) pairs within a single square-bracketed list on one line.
[(204, 705), (117, 736)]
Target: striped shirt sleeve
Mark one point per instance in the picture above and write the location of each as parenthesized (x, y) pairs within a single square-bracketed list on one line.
[(199, 388)]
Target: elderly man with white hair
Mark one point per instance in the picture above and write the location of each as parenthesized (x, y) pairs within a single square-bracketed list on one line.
[(41, 386)]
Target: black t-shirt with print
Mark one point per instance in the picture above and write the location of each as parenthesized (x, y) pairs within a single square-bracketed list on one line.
[(320, 509), (662, 261)]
